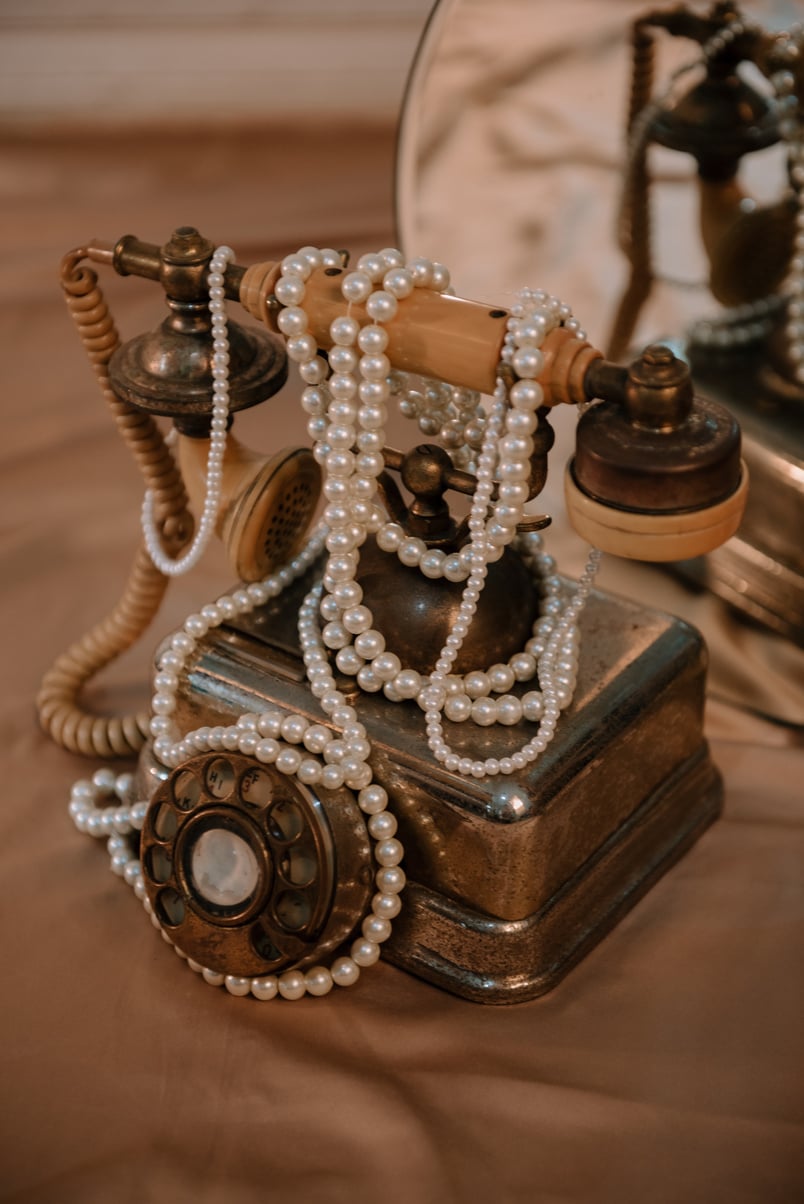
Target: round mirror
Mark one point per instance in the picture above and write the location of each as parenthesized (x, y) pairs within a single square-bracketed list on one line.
[(512, 150)]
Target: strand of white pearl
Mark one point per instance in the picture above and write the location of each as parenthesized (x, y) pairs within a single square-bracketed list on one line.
[(362, 658), (217, 441), (532, 318)]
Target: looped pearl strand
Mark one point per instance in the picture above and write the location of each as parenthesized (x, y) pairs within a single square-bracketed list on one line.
[(217, 439), (340, 426), (532, 318)]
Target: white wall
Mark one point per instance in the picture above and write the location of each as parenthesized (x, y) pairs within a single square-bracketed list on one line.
[(107, 62)]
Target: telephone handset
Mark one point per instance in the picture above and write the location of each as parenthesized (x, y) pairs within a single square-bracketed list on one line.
[(286, 764)]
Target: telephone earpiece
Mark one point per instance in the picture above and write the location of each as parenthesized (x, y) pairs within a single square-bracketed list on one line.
[(658, 476), (267, 502)]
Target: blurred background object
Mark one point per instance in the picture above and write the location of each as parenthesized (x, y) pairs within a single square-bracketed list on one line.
[(519, 127)]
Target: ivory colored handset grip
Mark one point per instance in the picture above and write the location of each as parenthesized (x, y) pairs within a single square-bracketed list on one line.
[(446, 338), (636, 535)]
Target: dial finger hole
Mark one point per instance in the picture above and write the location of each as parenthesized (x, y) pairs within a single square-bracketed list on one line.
[(263, 946), (186, 790), (299, 865), (256, 788), (170, 907), (285, 820), (220, 777), (165, 822), (158, 864), (293, 910)]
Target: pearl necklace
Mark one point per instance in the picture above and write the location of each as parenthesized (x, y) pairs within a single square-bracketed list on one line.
[(217, 437), (352, 458), (348, 442)]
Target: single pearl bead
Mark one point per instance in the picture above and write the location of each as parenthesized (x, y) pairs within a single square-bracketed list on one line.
[(382, 826), (267, 751), (398, 282), (289, 290), (348, 660), (484, 712), (533, 706), (365, 952), (332, 777), (356, 287), (318, 981), (264, 988), (390, 879), (368, 680), (523, 666), (388, 852), (316, 738), (369, 644), (386, 665), (390, 536), (477, 684), (345, 971), (373, 799), (309, 772), (387, 906), (381, 306), (237, 986), (432, 563), (376, 928), (291, 984), (509, 710), (372, 339), (458, 707), (357, 619)]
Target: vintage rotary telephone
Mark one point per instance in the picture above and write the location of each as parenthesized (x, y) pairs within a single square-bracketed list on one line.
[(285, 765), (751, 355)]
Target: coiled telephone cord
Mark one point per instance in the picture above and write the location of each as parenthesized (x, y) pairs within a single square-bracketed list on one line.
[(61, 714)]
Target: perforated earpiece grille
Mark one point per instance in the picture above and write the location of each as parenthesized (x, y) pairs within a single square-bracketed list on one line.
[(267, 525)]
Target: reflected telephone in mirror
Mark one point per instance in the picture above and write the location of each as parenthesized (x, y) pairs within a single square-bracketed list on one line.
[(748, 97), (405, 678)]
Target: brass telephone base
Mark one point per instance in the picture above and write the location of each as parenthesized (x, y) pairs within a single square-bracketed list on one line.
[(511, 880), (760, 572), (508, 961)]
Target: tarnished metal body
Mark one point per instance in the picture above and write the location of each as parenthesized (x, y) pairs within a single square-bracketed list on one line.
[(511, 879)]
